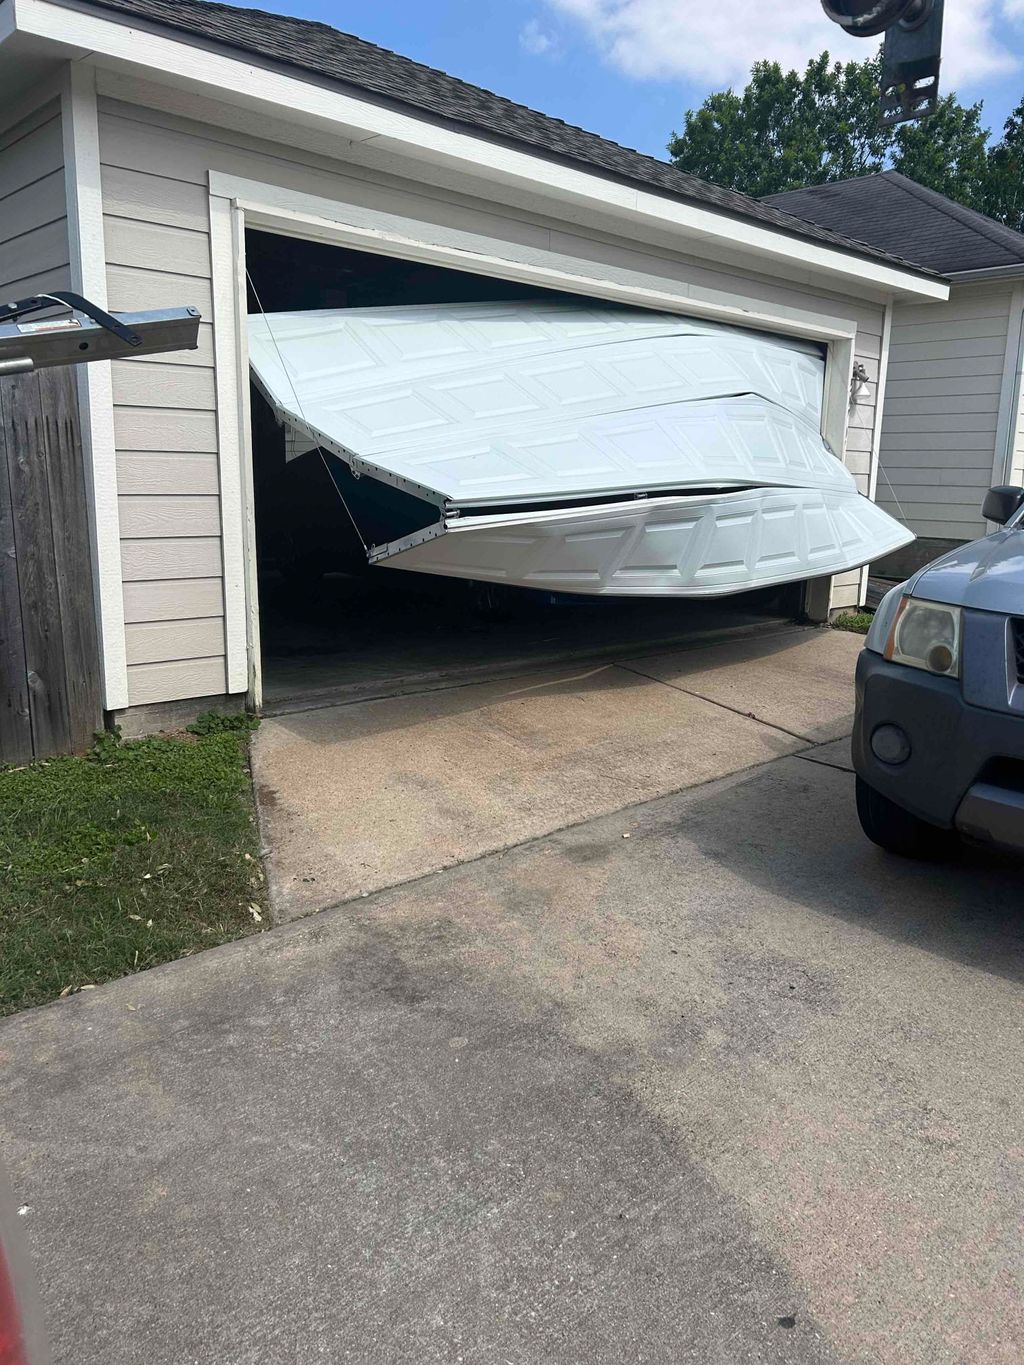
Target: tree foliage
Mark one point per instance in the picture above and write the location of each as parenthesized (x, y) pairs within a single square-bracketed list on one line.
[(785, 129), (1004, 189)]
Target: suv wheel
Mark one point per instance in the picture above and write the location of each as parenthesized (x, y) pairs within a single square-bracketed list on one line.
[(897, 831)]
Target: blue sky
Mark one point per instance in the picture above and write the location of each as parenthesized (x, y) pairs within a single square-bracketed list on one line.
[(629, 69)]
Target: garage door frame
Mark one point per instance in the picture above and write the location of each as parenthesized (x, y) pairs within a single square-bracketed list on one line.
[(237, 204)]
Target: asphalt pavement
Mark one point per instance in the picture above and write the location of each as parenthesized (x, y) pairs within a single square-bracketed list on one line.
[(708, 1078)]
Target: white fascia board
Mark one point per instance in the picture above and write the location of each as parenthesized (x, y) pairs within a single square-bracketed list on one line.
[(235, 80)]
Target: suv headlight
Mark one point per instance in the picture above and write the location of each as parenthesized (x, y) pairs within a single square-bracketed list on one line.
[(926, 635)]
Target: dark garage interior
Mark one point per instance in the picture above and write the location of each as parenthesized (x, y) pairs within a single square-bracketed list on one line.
[(334, 627)]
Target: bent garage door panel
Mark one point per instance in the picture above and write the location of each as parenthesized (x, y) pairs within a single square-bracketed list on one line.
[(502, 408), (685, 546)]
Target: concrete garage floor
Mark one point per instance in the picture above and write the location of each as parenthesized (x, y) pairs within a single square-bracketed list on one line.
[(356, 798), (737, 1089)]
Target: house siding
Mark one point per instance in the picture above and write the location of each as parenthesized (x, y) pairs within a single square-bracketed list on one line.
[(34, 254), (942, 404), (155, 175)]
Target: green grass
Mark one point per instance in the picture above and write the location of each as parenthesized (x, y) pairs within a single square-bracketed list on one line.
[(858, 622), (142, 852)]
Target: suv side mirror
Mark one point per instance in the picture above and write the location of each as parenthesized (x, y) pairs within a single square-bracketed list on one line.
[(1001, 503)]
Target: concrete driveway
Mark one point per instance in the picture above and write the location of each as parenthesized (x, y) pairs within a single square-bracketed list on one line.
[(735, 1089), (355, 798)]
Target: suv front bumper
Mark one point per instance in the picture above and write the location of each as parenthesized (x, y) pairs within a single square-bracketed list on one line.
[(944, 781)]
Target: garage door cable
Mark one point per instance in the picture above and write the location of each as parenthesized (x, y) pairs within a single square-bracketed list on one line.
[(298, 405), (885, 476)]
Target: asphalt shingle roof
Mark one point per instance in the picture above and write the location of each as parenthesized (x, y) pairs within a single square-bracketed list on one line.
[(897, 214), (320, 50)]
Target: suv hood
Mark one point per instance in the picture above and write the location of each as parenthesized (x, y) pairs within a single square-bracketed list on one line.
[(986, 574)]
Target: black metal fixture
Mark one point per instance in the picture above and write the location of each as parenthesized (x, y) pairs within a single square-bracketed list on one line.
[(911, 53)]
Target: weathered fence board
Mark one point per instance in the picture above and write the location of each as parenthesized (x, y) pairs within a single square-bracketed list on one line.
[(15, 721), (50, 671)]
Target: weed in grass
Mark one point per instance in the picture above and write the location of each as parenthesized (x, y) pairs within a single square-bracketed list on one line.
[(858, 622), (141, 852)]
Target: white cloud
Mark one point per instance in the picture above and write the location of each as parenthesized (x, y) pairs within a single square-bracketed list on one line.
[(716, 41), (535, 40)]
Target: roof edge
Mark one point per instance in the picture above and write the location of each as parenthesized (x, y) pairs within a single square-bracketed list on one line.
[(121, 17)]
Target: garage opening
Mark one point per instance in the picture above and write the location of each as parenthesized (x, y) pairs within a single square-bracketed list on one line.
[(335, 625)]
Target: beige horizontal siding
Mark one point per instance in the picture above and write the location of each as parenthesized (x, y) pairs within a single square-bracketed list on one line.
[(922, 386), (153, 471), (59, 277), (22, 255), (164, 429), (141, 384), (179, 557), (29, 152), (152, 642), (941, 406), (152, 197), (911, 476), (173, 599), (34, 249), (846, 591), (176, 681), (152, 246), (941, 528), (949, 348), (144, 518), (965, 304), (937, 495), (26, 210), (988, 327), (975, 419), (130, 289), (951, 444)]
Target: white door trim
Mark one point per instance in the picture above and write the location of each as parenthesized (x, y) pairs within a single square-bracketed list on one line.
[(96, 398), (876, 436), (1009, 391)]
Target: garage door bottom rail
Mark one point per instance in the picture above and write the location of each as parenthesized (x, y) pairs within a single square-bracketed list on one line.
[(655, 547)]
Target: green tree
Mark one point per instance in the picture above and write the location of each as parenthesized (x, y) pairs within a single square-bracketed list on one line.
[(1004, 190), (947, 152), (785, 130)]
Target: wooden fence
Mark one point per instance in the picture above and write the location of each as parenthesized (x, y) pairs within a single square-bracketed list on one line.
[(50, 699)]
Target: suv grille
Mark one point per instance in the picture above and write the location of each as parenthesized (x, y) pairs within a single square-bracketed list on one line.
[(1018, 645)]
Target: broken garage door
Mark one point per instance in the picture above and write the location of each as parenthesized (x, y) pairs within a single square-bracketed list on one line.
[(572, 446)]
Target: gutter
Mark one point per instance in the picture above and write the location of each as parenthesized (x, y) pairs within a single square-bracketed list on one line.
[(989, 272)]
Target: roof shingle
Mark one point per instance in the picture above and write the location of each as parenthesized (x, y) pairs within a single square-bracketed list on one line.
[(320, 50), (898, 215)]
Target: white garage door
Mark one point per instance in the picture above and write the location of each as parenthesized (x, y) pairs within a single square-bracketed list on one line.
[(561, 443)]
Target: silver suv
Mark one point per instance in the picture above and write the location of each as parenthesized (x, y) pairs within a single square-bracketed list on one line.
[(938, 739)]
